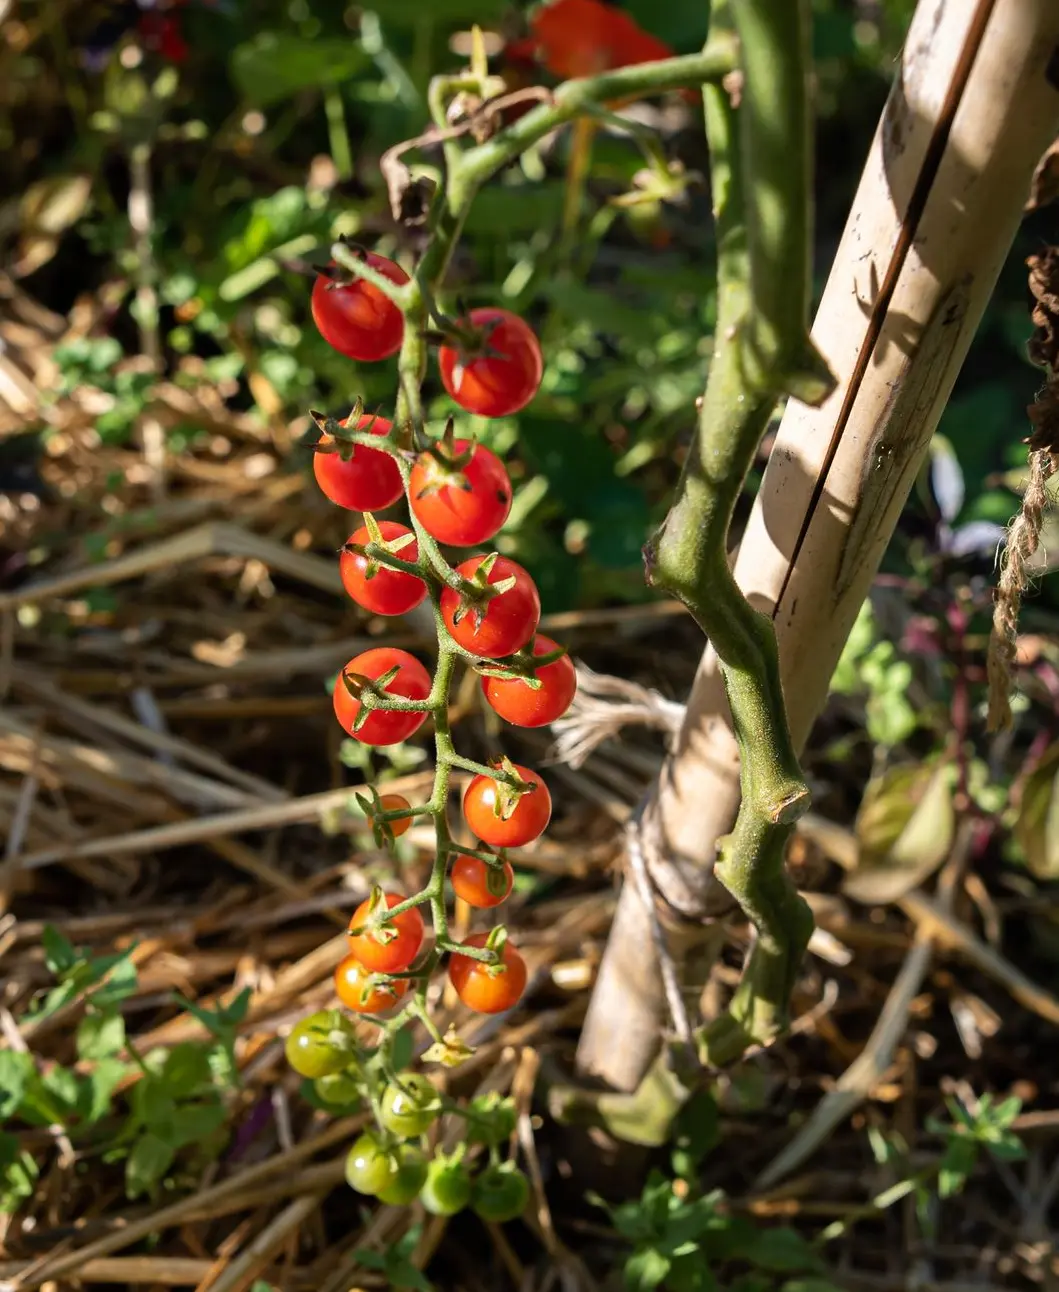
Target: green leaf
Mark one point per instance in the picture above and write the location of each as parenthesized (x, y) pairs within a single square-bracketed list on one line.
[(1008, 1147), (185, 1070), (150, 1159), (100, 1035), (153, 1106), (680, 23), (274, 66), (696, 1134), (905, 828), (99, 1087), (60, 954), (646, 1269), (18, 1175), (121, 979), (62, 1091), (16, 1070), (1037, 823), (781, 1250), (961, 1154), (192, 1122)]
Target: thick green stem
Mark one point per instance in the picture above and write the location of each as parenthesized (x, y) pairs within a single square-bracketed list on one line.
[(775, 140), (762, 222)]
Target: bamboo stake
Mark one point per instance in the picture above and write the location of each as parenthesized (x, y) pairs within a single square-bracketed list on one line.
[(974, 105)]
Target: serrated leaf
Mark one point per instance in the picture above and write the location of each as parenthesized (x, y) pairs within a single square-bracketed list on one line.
[(274, 66), (904, 829)]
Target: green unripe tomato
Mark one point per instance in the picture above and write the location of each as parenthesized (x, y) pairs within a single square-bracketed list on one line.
[(321, 1043), (409, 1178), (341, 1088), (410, 1108), (370, 1166), (491, 1118), (448, 1187), (500, 1193)]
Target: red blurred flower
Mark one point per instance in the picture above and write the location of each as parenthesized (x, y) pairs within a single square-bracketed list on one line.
[(161, 35), (586, 37)]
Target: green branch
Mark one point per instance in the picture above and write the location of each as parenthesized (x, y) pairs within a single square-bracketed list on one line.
[(775, 139), (762, 347)]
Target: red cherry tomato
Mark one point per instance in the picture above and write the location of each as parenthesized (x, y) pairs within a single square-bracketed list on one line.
[(381, 728), (387, 592), (518, 703), (501, 626), (479, 884), (392, 947), (504, 376), (462, 509), (357, 992), (488, 989), (481, 811), (356, 319), (392, 803), (368, 481)]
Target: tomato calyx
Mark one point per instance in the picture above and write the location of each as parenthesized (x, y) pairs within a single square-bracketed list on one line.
[(337, 436), (510, 788), (340, 436), (382, 819), (494, 945), (372, 696), (384, 984), (378, 546), (476, 592), (522, 667), (443, 463), (469, 340), (450, 1051), (379, 924)]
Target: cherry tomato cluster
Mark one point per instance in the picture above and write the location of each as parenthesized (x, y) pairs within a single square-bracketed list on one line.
[(395, 1161), (490, 361), (487, 608)]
